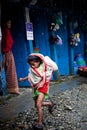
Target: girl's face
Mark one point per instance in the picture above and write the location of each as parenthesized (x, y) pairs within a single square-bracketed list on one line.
[(34, 64)]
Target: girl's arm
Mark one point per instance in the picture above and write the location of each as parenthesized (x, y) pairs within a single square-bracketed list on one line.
[(23, 79)]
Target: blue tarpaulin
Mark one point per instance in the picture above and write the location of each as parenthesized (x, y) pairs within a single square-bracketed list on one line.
[(3, 90)]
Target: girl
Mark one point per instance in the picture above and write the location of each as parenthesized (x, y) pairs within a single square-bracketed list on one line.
[(40, 74)]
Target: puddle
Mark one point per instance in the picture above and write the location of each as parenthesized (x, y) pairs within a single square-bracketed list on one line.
[(66, 85)]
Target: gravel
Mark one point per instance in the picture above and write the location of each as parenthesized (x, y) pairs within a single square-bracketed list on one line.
[(70, 113)]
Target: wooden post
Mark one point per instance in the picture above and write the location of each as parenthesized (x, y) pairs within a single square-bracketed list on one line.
[(27, 19)]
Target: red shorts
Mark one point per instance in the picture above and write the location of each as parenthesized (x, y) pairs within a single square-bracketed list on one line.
[(44, 89)]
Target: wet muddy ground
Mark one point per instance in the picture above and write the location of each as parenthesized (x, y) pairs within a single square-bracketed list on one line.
[(70, 111)]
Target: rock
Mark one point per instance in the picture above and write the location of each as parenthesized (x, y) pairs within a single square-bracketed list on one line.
[(67, 107)]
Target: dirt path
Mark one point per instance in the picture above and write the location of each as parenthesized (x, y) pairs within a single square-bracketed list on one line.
[(70, 111)]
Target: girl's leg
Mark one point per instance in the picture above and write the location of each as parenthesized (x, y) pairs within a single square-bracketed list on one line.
[(50, 106), (35, 102), (39, 107), (47, 103)]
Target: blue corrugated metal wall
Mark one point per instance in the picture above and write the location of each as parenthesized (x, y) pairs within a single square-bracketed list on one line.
[(80, 47), (40, 21), (20, 45), (62, 51), (41, 40), (40, 25)]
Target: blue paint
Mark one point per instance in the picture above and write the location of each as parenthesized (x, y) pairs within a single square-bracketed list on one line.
[(75, 68), (56, 60), (3, 87), (63, 54), (3, 82), (72, 60), (30, 46)]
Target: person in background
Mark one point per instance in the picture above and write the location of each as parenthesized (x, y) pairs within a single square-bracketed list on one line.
[(40, 73), (10, 69)]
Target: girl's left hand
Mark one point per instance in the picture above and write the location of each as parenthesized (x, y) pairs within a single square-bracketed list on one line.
[(21, 79)]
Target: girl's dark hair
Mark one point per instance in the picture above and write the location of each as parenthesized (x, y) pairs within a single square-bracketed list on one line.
[(34, 58)]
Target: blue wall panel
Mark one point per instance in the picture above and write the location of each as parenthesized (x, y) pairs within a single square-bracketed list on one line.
[(62, 51), (80, 47), (59, 53), (41, 35), (39, 19), (19, 48)]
